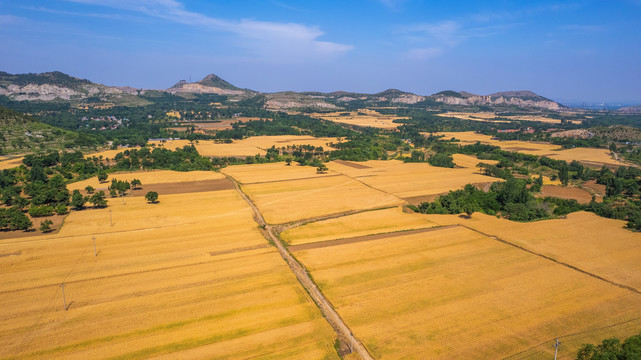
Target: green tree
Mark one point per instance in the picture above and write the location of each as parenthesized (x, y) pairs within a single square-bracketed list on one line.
[(102, 176), (89, 189), (77, 200), (98, 199), (45, 226), (564, 175), (61, 209), (18, 220), (151, 197), (321, 169), (135, 183)]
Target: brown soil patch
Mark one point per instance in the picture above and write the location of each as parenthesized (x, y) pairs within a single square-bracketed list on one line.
[(517, 148), (352, 164), (181, 187), (577, 194), (322, 244), (415, 200), (598, 189), (57, 223), (222, 125)]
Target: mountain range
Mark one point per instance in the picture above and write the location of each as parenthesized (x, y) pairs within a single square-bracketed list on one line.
[(57, 86)]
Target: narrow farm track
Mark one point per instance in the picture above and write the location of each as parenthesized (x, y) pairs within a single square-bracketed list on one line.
[(494, 237), (335, 321)]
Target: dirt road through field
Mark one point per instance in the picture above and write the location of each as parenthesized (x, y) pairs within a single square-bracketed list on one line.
[(342, 330)]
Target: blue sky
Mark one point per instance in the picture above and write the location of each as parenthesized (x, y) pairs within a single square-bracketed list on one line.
[(568, 51)]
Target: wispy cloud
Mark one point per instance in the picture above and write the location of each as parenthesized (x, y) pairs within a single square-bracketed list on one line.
[(75, 13), (394, 5), (11, 19), (290, 42), (430, 40)]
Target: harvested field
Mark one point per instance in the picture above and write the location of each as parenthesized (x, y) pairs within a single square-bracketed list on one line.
[(455, 293), (580, 195), (292, 200), (362, 224), (588, 156), (189, 277), (363, 117)]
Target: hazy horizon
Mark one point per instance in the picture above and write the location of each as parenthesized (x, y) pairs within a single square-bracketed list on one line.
[(584, 51)]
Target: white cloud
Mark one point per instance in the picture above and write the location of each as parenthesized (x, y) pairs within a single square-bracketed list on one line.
[(422, 54), (279, 41)]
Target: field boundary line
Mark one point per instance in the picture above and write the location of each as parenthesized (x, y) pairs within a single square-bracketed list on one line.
[(494, 237), (374, 188), (294, 224), (343, 332), (364, 238), (283, 180)]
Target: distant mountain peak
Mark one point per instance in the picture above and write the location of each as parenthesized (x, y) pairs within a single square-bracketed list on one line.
[(214, 80)]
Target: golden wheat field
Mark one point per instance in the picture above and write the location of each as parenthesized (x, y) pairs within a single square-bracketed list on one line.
[(410, 180), (8, 163), (362, 117), (109, 154), (246, 147), (588, 156), (291, 193), (149, 177), (490, 117), (454, 293), (470, 161), (250, 174), (292, 200), (189, 277), (589, 242)]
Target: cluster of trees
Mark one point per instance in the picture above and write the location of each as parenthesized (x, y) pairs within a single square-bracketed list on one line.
[(510, 199), (612, 349), (514, 198)]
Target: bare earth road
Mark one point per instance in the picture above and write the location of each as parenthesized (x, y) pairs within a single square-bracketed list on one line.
[(342, 330)]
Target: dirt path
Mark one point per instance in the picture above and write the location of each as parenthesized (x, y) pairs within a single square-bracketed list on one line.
[(342, 330)]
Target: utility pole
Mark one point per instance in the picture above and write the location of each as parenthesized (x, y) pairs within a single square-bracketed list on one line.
[(94, 246), (111, 221), (64, 301), (556, 347)]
